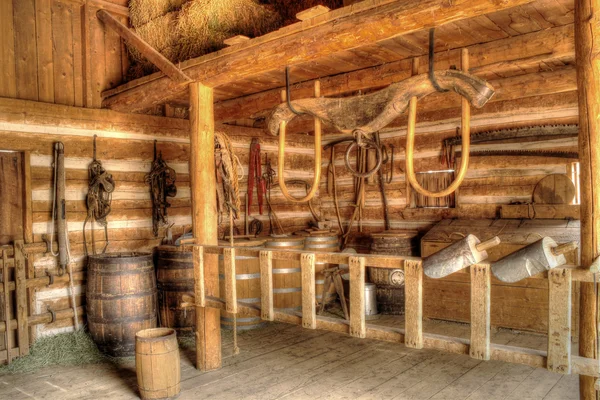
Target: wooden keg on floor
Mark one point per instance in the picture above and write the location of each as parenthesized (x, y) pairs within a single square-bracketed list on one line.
[(157, 363), (287, 277), (121, 300), (324, 243), (175, 278), (247, 275), (390, 282)]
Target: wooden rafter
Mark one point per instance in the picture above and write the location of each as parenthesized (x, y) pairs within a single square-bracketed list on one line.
[(350, 27), (160, 61)]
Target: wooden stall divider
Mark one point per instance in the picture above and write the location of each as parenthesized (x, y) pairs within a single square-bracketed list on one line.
[(230, 280), (413, 275), (309, 306), (7, 334), (198, 260), (480, 311), (266, 285), (559, 320), (21, 299), (358, 326)]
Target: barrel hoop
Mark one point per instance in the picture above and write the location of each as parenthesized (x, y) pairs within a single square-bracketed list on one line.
[(287, 290), (120, 259), (286, 270), (174, 265), (313, 239), (290, 309), (168, 288), (250, 300), (321, 246), (106, 296), (120, 320), (137, 271)]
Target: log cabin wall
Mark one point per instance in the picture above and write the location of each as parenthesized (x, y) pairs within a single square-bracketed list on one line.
[(57, 51)]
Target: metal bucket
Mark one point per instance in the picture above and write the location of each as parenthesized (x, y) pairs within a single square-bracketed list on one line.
[(371, 300)]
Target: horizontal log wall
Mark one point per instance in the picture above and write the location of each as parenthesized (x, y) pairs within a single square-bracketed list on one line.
[(57, 51)]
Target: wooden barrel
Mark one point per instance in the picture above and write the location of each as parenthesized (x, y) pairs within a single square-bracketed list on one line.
[(287, 276), (390, 282), (157, 363), (121, 300), (328, 244), (175, 278), (247, 275)]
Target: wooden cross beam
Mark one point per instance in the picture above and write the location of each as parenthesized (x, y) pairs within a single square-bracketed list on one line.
[(160, 61)]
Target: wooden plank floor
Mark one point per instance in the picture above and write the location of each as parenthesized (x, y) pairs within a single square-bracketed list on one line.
[(289, 362)]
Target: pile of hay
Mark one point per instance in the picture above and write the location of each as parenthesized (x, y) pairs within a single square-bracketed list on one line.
[(181, 29), (65, 349)]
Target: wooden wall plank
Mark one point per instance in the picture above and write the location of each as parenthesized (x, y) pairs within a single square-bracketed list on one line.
[(480, 311), (25, 49), (413, 272), (6, 305), (357, 297), (266, 285), (62, 40), (559, 320), (309, 308), (113, 63), (8, 87), (45, 59), (21, 300), (97, 57), (78, 54)]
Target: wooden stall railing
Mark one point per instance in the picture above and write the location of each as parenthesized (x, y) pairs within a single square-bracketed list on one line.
[(557, 358)]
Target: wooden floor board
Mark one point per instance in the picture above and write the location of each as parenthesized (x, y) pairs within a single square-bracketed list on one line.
[(288, 362)]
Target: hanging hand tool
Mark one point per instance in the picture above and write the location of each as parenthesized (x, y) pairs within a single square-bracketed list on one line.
[(255, 176)]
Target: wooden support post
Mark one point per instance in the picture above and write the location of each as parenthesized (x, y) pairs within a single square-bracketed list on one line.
[(587, 61), (21, 297), (481, 285), (358, 327), (6, 304), (559, 320), (266, 285), (230, 288), (160, 61), (198, 260), (309, 305), (204, 221), (413, 292)]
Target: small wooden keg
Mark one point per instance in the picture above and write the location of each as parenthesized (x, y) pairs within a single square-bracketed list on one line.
[(247, 275), (157, 363), (287, 276), (390, 282), (326, 243), (120, 300), (175, 278)]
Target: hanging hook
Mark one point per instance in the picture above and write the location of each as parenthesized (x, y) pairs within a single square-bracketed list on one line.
[(287, 92), (432, 61)]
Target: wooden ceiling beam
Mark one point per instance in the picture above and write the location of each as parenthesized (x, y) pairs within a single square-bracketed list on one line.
[(346, 28), (488, 61), (161, 62)]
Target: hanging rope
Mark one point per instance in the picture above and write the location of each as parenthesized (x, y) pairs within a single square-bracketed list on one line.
[(227, 170), (99, 197)]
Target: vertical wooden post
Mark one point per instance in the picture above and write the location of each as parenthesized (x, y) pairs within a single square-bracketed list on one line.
[(413, 293), (266, 285), (204, 220), (309, 306), (358, 327), (480, 311), (587, 60), (230, 282), (198, 260), (21, 297), (559, 320), (6, 310)]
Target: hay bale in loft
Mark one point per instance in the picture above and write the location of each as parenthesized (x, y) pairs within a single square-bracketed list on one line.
[(144, 11), (161, 34), (204, 24)]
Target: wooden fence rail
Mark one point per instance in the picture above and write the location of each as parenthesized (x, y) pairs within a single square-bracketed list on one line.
[(558, 358)]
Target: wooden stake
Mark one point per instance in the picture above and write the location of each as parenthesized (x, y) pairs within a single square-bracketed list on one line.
[(559, 320), (266, 285), (413, 275), (358, 326), (309, 306), (204, 221), (480, 311), (587, 60)]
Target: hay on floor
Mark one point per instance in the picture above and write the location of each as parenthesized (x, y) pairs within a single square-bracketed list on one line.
[(65, 349)]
